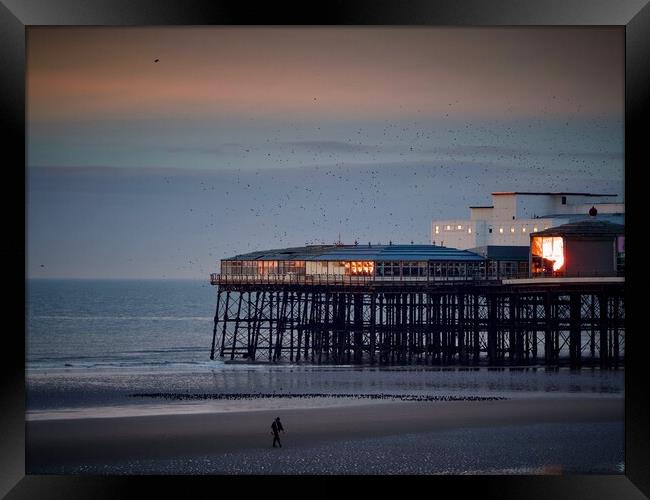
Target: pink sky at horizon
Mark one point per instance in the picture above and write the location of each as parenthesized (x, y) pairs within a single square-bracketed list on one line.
[(94, 74)]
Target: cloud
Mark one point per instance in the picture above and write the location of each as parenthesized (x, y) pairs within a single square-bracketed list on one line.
[(329, 146), (473, 150), (467, 149), (333, 146), (215, 150), (218, 150), (594, 155)]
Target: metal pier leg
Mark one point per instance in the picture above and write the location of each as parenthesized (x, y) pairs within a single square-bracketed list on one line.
[(548, 330), (575, 327), (258, 325), (281, 325), (372, 328), (329, 315), (592, 336), (301, 302), (615, 332), (382, 332), (310, 323), (225, 323), (534, 329), (477, 331), (604, 320), (234, 337), (270, 334), (512, 340), (216, 321), (358, 326), (492, 329), (248, 325), (462, 357)]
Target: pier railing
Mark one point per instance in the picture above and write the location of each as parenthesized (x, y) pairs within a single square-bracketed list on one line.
[(330, 279)]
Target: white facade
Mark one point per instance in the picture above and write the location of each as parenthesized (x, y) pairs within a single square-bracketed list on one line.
[(513, 216)]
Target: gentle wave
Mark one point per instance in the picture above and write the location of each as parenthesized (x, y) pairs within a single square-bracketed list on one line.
[(129, 318), (109, 364), (118, 355)]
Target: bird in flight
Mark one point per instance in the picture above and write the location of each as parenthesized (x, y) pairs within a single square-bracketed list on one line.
[(156, 60)]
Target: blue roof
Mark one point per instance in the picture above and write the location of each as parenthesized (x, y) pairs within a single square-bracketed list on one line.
[(362, 252)]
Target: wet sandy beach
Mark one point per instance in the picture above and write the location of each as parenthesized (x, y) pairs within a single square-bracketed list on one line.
[(177, 443)]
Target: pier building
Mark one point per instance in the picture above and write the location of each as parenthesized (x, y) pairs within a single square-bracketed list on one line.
[(365, 263), (584, 248), (512, 216)]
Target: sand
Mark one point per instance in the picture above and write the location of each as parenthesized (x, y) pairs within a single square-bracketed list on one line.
[(71, 442)]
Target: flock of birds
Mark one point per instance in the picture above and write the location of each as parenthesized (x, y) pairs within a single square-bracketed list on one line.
[(366, 199)]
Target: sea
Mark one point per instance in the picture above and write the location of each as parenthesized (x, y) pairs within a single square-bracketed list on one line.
[(110, 348)]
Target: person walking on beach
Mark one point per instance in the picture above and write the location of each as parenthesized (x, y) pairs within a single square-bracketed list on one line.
[(276, 427)]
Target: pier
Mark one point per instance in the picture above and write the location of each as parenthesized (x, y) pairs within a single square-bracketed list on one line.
[(453, 320)]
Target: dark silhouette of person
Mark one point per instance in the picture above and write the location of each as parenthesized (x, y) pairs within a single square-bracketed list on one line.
[(276, 427)]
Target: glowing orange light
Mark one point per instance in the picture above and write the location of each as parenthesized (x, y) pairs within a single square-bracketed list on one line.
[(359, 268), (553, 249)]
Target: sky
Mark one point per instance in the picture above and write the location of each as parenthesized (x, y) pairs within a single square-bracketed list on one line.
[(240, 139)]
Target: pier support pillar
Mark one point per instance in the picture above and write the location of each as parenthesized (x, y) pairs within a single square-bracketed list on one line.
[(603, 348), (575, 330), (492, 329), (216, 323)]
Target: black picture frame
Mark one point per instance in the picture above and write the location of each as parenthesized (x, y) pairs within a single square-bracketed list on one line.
[(634, 15)]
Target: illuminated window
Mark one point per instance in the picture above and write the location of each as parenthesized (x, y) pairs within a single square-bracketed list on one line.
[(437, 229), (550, 250), (512, 229), (469, 230), (460, 227), (448, 228), (523, 229), (535, 229), (501, 230), (359, 268)]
